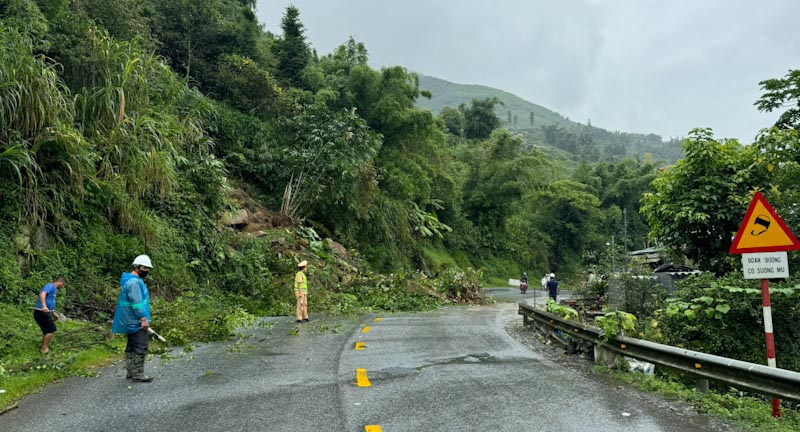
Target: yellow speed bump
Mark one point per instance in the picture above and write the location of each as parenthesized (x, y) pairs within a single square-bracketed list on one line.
[(361, 378), (365, 329), (372, 428), (359, 346)]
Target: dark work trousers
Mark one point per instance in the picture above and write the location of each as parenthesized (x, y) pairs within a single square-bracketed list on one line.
[(138, 342)]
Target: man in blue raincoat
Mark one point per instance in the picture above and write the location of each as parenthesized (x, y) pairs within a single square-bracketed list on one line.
[(132, 317)]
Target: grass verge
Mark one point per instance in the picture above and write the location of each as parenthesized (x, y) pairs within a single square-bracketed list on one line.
[(77, 349), (746, 412)]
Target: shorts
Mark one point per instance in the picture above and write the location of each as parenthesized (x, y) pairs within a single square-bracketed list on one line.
[(45, 321)]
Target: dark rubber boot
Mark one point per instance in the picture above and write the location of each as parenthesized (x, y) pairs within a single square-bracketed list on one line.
[(138, 371), (129, 365)]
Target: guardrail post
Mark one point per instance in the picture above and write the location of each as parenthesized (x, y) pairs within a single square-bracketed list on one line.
[(605, 356), (702, 385)]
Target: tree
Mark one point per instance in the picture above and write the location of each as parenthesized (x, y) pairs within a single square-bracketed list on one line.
[(453, 120), (325, 152), (560, 219), (782, 93), (291, 50), (480, 119), (124, 19), (187, 29), (498, 179), (194, 34), (697, 205), (246, 86), (620, 186)]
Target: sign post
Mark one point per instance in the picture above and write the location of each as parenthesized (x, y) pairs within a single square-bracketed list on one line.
[(763, 239)]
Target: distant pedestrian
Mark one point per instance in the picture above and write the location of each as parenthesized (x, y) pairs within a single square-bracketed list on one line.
[(301, 292), (132, 317), (45, 311), (552, 286), (544, 282)]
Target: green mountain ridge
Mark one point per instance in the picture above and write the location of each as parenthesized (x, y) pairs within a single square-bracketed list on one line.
[(446, 93), (549, 127)]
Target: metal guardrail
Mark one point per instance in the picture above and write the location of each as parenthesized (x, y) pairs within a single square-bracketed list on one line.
[(780, 383)]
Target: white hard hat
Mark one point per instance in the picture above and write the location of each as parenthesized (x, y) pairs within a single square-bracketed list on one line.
[(552, 275), (143, 260)]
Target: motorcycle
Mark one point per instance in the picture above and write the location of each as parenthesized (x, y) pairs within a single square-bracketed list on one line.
[(523, 287)]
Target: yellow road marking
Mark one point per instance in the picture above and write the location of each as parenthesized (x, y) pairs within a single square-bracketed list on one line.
[(365, 329), (372, 428), (378, 319), (359, 346), (361, 378)]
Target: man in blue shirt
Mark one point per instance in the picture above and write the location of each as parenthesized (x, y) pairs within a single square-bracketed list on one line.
[(132, 317), (552, 286), (45, 312)]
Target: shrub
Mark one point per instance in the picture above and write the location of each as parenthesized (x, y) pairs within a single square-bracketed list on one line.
[(616, 323), (724, 317), (461, 286), (563, 311)]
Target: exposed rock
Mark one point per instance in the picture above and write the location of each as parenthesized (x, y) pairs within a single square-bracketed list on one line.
[(252, 217), (255, 227), (241, 218), (279, 220), (337, 247)]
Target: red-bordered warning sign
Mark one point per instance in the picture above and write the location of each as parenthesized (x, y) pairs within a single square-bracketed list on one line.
[(762, 230)]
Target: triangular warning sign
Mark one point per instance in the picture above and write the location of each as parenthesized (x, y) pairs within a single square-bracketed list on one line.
[(762, 230)]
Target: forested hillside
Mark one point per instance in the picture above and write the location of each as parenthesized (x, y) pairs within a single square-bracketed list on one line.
[(545, 128), (136, 127)]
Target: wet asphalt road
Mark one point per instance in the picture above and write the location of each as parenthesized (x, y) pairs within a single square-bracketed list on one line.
[(457, 369)]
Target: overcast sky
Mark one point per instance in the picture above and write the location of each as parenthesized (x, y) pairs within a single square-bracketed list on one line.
[(629, 65)]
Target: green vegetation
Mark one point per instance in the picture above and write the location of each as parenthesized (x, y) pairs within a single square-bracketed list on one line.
[(746, 412), (616, 323), (565, 312), (698, 204), (77, 348), (721, 316)]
